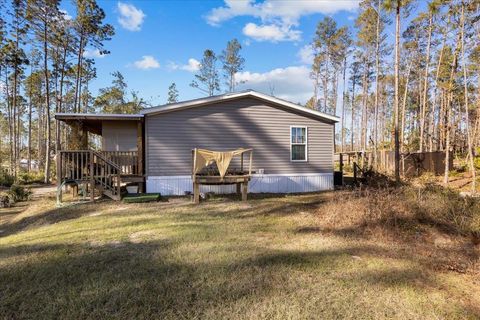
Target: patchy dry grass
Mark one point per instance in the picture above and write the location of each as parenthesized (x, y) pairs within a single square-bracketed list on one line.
[(349, 254)]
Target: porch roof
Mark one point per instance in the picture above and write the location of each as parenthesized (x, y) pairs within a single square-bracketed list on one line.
[(93, 122)]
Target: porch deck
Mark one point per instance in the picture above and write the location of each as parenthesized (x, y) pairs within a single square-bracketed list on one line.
[(101, 171)]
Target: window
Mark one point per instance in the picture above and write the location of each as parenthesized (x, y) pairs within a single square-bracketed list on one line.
[(298, 143)]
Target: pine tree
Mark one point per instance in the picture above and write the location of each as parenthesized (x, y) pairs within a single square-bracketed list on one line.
[(43, 15), (113, 99), (206, 80), (466, 99), (329, 47), (172, 93), (396, 5), (232, 62), (92, 31)]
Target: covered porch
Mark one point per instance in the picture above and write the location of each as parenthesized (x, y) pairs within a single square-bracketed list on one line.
[(117, 159)]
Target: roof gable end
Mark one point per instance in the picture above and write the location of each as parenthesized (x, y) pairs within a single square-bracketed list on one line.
[(288, 106)]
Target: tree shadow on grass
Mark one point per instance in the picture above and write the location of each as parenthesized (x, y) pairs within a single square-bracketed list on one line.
[(146, 280), (119, 281), (49, 217), (268, 207)]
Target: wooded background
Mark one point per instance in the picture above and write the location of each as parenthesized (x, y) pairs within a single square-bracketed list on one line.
[(405, 78)]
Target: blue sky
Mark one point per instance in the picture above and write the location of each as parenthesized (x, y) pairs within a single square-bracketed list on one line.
[(159, 42)]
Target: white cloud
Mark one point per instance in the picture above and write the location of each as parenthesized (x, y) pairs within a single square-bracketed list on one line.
[(290, 83), (278, 17), (93, 53), (66, 16), (147, 62), (305, 54), (232, 9), (287, 11), (192, 65), (130, 17), (270, 32)]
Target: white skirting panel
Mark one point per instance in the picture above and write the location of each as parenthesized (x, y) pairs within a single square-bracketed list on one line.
[(267, 183)]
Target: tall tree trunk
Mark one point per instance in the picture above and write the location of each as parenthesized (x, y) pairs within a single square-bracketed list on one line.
[(447, 142), (425, 83), (467, 117), (10, 120), (14, 97), (377, 89), (40, 157), (435, 92), (19, 139), (29, 147), (47, 102), (335, 92), (76, 106), (448, 107), (442, 120), (58, 140), (14, 119), (397, 84), (363, 135), (325, 85), (316, 84), (404, 106), (343, 102), (352, 126)]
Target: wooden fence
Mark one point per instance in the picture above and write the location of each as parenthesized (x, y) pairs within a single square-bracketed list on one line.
[(411, 164)]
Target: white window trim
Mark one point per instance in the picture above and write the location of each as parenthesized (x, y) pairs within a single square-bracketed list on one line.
[(306, 142)]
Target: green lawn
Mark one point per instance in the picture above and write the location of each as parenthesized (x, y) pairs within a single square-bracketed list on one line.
[(271, 258)]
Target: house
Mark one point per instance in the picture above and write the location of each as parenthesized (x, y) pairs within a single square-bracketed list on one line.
[(34, 164), (292, 145)]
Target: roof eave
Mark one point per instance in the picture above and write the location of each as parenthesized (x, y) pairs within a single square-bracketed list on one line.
[(100, 116)]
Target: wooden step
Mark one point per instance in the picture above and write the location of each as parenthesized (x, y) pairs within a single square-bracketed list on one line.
[(127, 178), (110, 194)]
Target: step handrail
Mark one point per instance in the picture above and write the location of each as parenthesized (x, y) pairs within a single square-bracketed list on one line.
[(83, 163), (99, 155), (110, 186)]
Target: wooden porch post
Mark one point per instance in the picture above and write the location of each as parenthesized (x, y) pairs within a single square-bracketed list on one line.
[(196, 192), (196, 185), (59, 173), (140, 147), (341, 165), (92, 180), (244, 191), (341, 161), (140, 154), (239, 188)]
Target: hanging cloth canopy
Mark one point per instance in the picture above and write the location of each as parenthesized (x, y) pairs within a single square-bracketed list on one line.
[(204, 158)]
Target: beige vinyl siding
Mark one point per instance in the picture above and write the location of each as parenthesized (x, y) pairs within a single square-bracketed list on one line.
[(119, 135), (245, 122)]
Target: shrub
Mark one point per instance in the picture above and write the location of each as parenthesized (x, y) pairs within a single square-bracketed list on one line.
[(406, 210), (30, 177), (443, 208), (5, 201), (477, 162), (19, 193), (6, 179)]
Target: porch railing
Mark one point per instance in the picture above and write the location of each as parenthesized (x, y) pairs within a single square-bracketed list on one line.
[(89, 167), (126, 160)]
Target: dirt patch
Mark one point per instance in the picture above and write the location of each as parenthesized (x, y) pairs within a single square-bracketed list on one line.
[(141, 236), (111, 244), (41, 191)]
